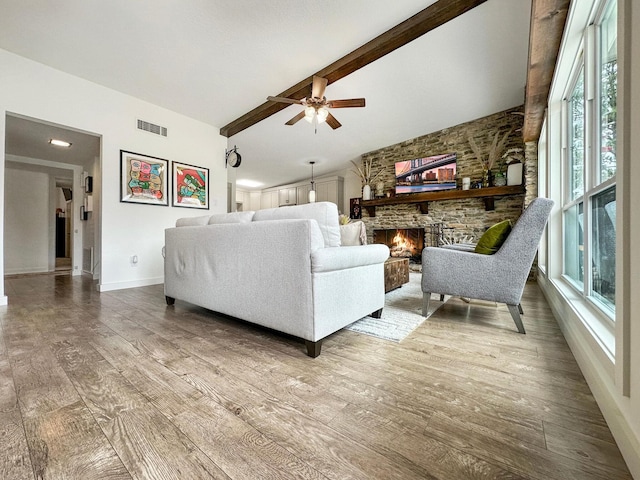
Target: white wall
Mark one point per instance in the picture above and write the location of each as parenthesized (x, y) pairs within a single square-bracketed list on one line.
[(612, 371), (27, 235), (34, 90)]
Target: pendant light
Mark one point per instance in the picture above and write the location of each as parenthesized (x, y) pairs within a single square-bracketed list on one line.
[(312, 192)]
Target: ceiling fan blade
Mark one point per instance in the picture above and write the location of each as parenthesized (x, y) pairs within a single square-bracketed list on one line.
[(352, 102), (333, 122), (285, 100), (319, 84), (296, 119)]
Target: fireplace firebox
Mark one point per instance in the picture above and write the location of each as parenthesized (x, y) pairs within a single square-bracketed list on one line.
[(402, 242)]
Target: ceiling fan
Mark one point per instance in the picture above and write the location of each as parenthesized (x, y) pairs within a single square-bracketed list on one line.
[(317, 106)]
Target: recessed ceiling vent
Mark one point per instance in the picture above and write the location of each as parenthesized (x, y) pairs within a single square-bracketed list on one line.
[(152, 128)]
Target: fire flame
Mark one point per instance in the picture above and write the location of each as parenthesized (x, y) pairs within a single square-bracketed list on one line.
[(403, 246)]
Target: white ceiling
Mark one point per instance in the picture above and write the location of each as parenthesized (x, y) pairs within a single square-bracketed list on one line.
[(214, 60)]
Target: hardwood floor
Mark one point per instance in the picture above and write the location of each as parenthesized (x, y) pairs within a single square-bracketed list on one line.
[(118, 385)]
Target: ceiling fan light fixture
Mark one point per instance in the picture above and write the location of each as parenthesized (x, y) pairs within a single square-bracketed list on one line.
[(323, 113), (309, 113)]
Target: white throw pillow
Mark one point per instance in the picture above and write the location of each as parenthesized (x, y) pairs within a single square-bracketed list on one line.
[(351, 234)]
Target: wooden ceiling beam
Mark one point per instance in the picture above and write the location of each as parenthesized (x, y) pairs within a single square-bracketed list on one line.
[(424, 21), (548, 19)]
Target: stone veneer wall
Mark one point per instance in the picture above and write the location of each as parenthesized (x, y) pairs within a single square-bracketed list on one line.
[(467, 216)]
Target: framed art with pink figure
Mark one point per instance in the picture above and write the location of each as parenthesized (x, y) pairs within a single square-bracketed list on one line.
[(190, 186), (143, 179)]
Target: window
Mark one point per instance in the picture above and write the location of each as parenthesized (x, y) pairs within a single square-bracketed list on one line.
[(574, 244), (589, 210), (608, 80), (603, 234), (576, 138)]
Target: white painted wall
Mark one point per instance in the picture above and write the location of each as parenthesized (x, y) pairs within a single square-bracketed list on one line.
[(614, 377), (35, 90), (27, 233)]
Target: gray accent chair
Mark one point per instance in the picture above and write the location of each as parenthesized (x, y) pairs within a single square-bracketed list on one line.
[(496, 278)]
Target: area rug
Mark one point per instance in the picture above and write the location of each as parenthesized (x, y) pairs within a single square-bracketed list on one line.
[(402, 312)]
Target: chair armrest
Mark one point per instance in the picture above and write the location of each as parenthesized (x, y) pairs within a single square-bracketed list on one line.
[(462, 247)]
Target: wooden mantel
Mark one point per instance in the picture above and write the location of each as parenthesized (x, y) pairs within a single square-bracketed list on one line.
[(423, 199)]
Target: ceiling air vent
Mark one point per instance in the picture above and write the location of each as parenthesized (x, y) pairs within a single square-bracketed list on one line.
[(152, 128)]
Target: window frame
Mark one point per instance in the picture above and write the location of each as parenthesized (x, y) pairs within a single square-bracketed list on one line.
[(588, 60)]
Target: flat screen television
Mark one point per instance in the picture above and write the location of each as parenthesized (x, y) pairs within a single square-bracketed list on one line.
[(427, 174)]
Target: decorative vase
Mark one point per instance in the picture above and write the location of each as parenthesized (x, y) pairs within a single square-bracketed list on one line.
[(487, 179), (366, 192), (500, 180)]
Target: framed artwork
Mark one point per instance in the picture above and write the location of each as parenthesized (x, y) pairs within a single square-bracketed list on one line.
[(190, 186), (143, 179), (355, 211)]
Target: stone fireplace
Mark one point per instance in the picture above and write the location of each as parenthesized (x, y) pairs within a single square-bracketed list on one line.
[(460, 218)]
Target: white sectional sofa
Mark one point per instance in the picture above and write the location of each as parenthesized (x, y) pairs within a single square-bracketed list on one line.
[(282, 268)]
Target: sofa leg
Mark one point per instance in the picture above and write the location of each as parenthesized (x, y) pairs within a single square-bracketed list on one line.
[(313, 348), (515, 314), (377, 314), (170, 300), (426, 296), (442, 297)]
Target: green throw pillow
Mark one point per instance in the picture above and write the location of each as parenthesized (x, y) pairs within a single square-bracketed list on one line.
[(491, 240)]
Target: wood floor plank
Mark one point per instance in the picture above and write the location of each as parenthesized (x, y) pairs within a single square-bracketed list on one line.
[(455, 383), (14, 461), (66, 443), (239, 449), (531, 461), (151, 391), (583, 447), (149, 445)]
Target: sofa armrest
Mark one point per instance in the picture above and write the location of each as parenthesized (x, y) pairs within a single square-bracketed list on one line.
[(340, 258)]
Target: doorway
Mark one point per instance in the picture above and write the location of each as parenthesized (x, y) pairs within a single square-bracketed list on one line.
[(44, 190)]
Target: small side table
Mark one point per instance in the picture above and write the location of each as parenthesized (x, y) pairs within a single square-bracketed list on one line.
[(396, 273)]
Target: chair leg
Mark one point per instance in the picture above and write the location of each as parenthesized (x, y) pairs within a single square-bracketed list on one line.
[(515, 314), (426, 296), (520, 309)]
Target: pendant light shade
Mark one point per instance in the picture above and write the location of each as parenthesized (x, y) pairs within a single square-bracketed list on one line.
[(312, 192)]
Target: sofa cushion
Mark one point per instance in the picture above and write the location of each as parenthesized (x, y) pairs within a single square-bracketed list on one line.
[(325, 213), (353, 234), (491, 240), (192, 221), (234, 217)]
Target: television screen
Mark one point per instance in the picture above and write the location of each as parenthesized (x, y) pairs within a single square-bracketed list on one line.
[(427, 174)]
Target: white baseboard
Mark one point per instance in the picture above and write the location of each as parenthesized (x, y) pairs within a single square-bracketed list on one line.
[(20, 271), (108, 287)]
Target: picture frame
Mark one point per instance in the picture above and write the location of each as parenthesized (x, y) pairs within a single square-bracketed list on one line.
[(355, 209), (143, 179), (190, 186)]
